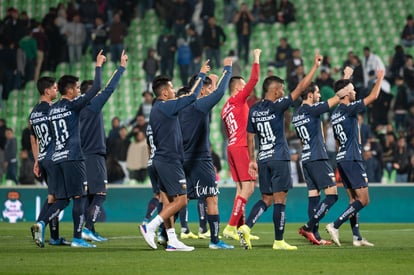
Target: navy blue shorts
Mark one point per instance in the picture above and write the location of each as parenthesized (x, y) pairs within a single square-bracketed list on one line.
[(353, 174), (96, 174), (171, 177), (318, 175), (72, 179), (153, 178), (274, 176), (50, 173), (201, 179)]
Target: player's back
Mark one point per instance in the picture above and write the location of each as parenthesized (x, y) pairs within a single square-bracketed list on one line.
[(39, 121)]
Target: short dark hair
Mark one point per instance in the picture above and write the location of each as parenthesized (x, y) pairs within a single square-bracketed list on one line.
[(183, 91), (159, 83), (45, 82), (233, 81), (85, 86), (310, 89), (206, 81), (269, 80), (341, 83), (65, 82)]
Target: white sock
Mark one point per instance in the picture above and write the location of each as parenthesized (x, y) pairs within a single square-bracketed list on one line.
[(155, 223), (172, 237)]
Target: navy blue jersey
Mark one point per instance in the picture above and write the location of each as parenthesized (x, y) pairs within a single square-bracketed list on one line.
[(195, 121), (166, 127), (39, 123), (308, 125), (64, 121), (150, 144), (344, 121), (267, 120), (92, 131)]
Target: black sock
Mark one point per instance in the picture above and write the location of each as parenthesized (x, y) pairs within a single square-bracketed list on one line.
[(279, 220), (321, 210), (354, 221), (43, 211), (94, 210), (54, 228), (184, 220), (78, 217), (214, 222), (151, 208), (54, 210), (258, 209), (202, 215), (352, 209)]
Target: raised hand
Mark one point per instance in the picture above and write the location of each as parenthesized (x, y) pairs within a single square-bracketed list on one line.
[(256, 54), (227, 61), (205, 68), (124, 59), (348, 71), (100, 59), (318, 59)]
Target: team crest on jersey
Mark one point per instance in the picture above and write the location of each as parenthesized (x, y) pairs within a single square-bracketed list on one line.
[(183, 184)]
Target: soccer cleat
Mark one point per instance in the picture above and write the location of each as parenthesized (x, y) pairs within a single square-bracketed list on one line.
[(81, 243), (205, 235), (362, 242), (39, 233), (230, 232), (220, 245), (60, 241), (148, 236), (244, 236), (89, 235), (254, 237), (101, 239), (324, 242), (334, 233), (282, 245), (308, 235), (178, 246), (189, 235), (161, 240)]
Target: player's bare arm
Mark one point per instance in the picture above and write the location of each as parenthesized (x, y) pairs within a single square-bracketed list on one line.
[(373, 95), (304, 83)]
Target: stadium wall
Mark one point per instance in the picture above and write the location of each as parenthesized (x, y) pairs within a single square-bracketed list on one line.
[(389, 203)]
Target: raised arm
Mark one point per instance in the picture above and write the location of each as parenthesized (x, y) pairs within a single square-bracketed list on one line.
[(304, 83), (373, 95), (348, 71), (254, 76)]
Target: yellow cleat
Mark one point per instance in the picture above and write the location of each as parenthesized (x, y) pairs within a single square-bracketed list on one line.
[(282, 245), (254, 237), (205, 235), (230, 232), (189, 235), (244, 235)]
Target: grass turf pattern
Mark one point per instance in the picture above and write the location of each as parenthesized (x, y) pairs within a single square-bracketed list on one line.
[(126, 253)]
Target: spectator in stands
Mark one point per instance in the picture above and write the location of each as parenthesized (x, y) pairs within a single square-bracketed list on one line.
[(236, 66), (407, 35), (166, 48), (347, 61), (117, 33), (243, 21), (115, 172), (296, 167), (196, 20), (181, 16), (293, 62), (283, 54), (213, 38), (120, 148), (207, 10), (88, 11), (26, 175), (409, 125), (401, 160), (378, 111), (99, 36), (75, 36), (25, 140), (364, 129), (408, 74), (358, 76), (3, 141), (401, 104), (370, 62), (388, 144), (8, 69), (397, 63), (230, 10), (13, 28), (196, 46), (139, 125), (295, 77), (184, 59), (150, 66), (286, 12), (10, 156), (372, 161), (29, 46), (144, 108), (324, 78), (113, 135), (256, 11), (410, 177), (137, 157), (39, 35), (269, 11)]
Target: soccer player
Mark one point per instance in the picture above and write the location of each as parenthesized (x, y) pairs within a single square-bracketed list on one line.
[(198, 164), (169, 156), (267, 120), (344, 121), (92, 134), (67, 155), (42, 147), (234, 115), (317, 171)]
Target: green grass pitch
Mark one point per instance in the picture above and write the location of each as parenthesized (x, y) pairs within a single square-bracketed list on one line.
[(127, 253)]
